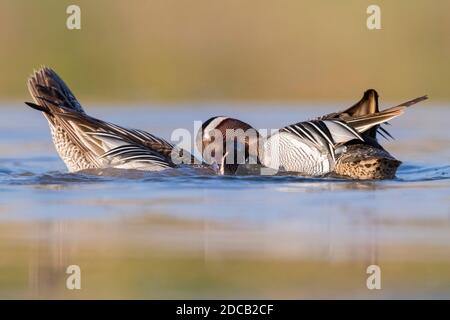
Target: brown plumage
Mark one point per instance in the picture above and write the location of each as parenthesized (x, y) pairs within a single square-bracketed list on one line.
[(245, 139), (365, 162)]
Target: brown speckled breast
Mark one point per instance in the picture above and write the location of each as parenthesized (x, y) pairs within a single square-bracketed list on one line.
[(366, 162)]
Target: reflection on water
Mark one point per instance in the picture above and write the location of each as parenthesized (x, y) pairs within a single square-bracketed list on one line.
[(187, 235)]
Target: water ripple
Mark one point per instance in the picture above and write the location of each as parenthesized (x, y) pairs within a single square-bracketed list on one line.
[(175, 177), (413, 173)]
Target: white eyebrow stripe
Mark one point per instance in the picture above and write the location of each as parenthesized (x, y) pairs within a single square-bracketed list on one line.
[(213, 125)]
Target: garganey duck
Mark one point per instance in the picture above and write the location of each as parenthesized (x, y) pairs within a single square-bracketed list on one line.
[(341, 143), (84, 142)]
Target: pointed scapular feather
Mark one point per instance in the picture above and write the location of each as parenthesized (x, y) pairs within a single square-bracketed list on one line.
[(341, 132), (304, 130), (37, 107), (326, 135), (382, 132), (129, 153), (364, 123)]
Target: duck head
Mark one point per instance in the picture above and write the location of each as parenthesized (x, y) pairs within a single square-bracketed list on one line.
[(229, 143)]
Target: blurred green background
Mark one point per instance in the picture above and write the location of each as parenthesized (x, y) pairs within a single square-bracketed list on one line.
[(203, 50)]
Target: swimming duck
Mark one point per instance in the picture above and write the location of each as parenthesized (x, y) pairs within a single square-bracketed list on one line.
[(367, 159), (342, 143), (84, 142)]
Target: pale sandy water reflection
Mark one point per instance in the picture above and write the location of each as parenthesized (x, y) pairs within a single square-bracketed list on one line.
[(190, 236)]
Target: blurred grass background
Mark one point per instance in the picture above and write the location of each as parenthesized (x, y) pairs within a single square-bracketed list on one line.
[(203, 50), (131, 259)]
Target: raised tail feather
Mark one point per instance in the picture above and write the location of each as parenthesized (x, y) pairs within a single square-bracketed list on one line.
[(367, 105), (49, 91), (366, 117)]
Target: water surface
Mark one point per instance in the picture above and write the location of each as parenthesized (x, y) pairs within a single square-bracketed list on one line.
[(191, 236)]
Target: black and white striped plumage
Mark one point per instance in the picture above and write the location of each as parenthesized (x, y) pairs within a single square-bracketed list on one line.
[(308, 147), (84, 142)]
